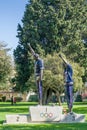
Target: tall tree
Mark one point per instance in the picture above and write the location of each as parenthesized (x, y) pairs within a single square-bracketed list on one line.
[(53, 25)]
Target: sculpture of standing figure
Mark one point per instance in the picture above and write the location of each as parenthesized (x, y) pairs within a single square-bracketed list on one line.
[(68, 73), (39, 66)]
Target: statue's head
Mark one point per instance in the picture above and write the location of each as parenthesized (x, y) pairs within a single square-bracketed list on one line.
[(36, 56)]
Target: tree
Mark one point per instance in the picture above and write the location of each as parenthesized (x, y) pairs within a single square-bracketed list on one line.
[(55, 25), (84, 58), (5, 66), (52, 26), (23, 67)]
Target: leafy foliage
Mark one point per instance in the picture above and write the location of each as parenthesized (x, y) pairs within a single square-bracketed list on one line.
[(5, 65), (51, 26)]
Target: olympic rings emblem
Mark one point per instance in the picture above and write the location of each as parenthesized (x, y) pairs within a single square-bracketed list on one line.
[(46, 115)]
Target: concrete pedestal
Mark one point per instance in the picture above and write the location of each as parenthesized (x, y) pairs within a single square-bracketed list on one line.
[(43, 114), (17, 119), (46, 113)]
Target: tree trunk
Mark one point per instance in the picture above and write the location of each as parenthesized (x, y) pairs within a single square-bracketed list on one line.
[(58, 98), (44, 97), (47, 95)]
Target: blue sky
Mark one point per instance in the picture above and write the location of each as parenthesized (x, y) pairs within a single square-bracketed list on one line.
[(11, 13)]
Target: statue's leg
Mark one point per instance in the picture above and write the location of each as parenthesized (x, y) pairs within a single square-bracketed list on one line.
[(39, 88), (37, 84), (40, 92), (70, 97), (68, 93)]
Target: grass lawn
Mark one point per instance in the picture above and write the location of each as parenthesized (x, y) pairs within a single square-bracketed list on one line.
[(23, 108)]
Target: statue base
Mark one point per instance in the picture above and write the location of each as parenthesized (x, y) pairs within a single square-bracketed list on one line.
[(43, 114), (46, 113)]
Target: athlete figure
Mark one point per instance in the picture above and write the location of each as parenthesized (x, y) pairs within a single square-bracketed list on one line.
[(39, 66), (68, 73)]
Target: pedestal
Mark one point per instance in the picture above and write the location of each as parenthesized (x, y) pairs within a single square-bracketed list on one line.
[(45, 113), (42, 114), (17, 119)]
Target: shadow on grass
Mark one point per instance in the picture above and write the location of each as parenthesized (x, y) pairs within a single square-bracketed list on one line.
[(74, 126)]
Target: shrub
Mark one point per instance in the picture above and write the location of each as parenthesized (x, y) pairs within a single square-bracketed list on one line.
[(0, 100), (33, 98), (3, 98), (9, 100), (78, 98)]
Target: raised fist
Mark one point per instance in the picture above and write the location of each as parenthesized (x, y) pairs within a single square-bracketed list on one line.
[(28, 44)]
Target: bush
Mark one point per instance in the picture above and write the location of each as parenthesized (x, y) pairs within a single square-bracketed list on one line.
[(0, 100), (78, 98), (3, 98), (9, 100), (33, 98)]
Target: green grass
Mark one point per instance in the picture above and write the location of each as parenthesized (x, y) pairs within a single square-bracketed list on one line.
[(77, 126), (23, 108)]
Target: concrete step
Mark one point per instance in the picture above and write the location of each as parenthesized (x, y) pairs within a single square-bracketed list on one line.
[(17, 119)]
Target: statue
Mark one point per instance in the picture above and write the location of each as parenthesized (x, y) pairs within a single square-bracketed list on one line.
[(39, 66), (68, 73)]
